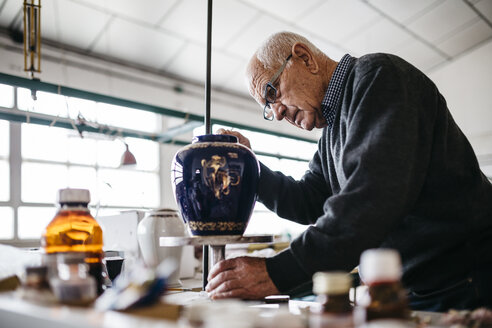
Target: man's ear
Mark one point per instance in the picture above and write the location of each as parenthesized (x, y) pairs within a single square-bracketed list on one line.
[(305, 54)]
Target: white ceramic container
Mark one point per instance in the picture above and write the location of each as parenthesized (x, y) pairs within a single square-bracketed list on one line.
[(161, 223)]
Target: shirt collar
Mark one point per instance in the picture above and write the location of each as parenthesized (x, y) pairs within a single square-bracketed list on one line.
[(334, 91)]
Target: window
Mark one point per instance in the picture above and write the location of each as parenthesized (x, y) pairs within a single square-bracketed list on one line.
[(55, 158), (51, 158)]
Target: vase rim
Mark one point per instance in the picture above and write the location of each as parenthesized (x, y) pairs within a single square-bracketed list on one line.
[(215, 138), (163, 210)]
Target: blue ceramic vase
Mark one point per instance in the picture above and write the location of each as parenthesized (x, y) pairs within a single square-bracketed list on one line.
[(215, 182)]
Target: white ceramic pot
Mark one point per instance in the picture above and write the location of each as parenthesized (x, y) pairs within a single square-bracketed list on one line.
[(161, 223)]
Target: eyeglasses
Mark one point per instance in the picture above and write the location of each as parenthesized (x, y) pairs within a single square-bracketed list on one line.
[(271, 92)]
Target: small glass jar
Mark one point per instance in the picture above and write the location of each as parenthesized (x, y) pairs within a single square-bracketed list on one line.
[(334, 310), (73, 285), (36, 277), (385, 298)]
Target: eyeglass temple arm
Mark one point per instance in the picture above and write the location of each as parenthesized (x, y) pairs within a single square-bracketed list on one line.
[(277, 74)]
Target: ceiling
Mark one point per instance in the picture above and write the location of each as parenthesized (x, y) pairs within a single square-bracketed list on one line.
[(169, 36)]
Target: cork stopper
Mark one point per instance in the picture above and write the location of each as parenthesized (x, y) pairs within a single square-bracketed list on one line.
[(73, 196), (332, 283), (380, 265)]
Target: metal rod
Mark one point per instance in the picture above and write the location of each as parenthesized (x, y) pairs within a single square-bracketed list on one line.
[(218, 253), (209, 61), (207, 116), (205, 266)]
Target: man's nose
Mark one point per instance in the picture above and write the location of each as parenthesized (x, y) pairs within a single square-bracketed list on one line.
[(279, 110)]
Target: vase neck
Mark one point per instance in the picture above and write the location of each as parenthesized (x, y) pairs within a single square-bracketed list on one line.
[(215, 138)]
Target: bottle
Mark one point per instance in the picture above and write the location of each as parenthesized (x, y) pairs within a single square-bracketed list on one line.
[(385, 298), (74, 230), (334, 310)]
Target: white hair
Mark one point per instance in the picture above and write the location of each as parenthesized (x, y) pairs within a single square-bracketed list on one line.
[(274, 50)]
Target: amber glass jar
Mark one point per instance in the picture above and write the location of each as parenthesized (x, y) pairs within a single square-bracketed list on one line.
[(334, 308), (385, 298), (73, 229)]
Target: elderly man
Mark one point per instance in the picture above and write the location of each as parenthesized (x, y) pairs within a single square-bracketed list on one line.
[(392, 170)]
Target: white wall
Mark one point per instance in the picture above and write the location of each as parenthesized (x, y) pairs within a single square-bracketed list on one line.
[(466, 83)]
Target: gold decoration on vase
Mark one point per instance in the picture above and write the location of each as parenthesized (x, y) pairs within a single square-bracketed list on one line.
[(217, 177), (216, 226)]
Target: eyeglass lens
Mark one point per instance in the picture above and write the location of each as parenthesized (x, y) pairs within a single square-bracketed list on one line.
[(270, 98)]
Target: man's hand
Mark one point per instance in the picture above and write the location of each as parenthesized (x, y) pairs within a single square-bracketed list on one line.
[(242, 139), (241, 277)]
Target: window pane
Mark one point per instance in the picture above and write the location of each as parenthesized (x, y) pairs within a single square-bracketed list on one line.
[(87, 108), (44, 142), (4, 138), (146, 153), (270, 223), (24, 100), (109, 152), (6, 223), (5, 178), (84, 178), (272, 163), (199, 131), (46, 103), (41, 182), (295, 169), (33, 221), (129, 118), (81, 150), (263, 142), (487, 170), (6, 96), (296, 148), (129, 188)]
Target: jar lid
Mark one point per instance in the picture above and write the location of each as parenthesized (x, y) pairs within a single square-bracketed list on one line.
[(70, 195), (331, 283), (380, 265)]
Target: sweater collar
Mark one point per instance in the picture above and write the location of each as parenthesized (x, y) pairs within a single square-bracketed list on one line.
[(334, 91)]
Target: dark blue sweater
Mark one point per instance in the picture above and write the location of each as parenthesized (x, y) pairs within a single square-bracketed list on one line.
[(393, 171)]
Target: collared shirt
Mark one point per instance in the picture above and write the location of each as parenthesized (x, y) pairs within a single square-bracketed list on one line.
[(334, 91)]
